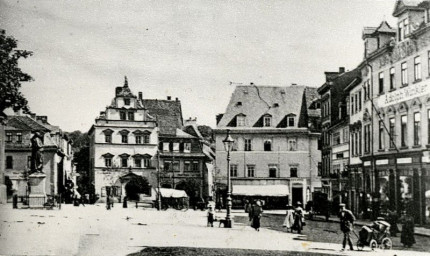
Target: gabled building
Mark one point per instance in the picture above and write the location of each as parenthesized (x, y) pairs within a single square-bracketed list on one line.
[(57, 154), (275, 155), (395, 117), (144, 136), (123, 139), (336, 135)]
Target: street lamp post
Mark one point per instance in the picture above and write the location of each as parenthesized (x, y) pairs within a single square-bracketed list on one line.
[(228, 144)]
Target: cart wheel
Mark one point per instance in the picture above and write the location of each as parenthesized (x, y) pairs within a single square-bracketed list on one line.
[(373, 244), (386, 244), (360, 245)]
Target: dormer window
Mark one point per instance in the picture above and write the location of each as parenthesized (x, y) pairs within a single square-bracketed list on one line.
[(291, 121), (403, 29), (127, 102), (238, 104), (267, 121), (240, 121)]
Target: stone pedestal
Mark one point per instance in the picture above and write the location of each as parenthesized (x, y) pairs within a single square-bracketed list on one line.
[(37, 195)]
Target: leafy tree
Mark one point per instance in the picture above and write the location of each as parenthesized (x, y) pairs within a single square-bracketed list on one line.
[(136, 186), (191, 186), (11, 76), (79, 140)]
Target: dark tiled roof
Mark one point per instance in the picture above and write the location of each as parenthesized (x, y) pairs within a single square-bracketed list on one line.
[(312, 95), (25, 123), (167, 112), (256, 101)]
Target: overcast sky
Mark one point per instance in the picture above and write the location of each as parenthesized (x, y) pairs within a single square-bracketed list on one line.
[(185, 49)]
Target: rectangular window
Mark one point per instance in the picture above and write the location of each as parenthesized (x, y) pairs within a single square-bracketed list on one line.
[(428, 126), (138, 139), (352, 105), (176, 147), (291, 121), (392, 78), (353, 144), (292, 144), (146, 138), (9, 162), (108, 138), (417, 68), (167, 166), (358, 141), (240, 121), (345, 135), (124, 138), (367, 138), (381, 82), (195, 166), (131, 116), (356, 102), (187, 166), (124, 162), (404, 130), (403, 29), (368, 88), (18, 137), (293, 172), (122, 115), (138, 162), (8, 137), (248, 144), (359, 101), (268, 145), (273, 169), (108, 162), (428, 62), (267, 121), (28, 161), (127, 102), (336, 138), (381, 134), (392, 131), (404, 73), (251, 170), (365, 91), (187, 147), (417, 128), (233, 170), (146, 162), (166, 146)]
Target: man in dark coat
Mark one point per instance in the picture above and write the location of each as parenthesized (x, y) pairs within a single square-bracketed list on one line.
[(347, 219)]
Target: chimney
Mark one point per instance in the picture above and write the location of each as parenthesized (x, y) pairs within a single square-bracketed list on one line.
[(42, 119), (191, 121), (341, 70), (177, 99), (293, 84), (18, 112), (251, 83), (32, 115), (140, 96), (169, 98)]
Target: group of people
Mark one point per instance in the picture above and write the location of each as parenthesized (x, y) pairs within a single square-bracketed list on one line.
[(295, 218)]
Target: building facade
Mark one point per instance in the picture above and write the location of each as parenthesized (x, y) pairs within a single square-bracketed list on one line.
[(275, 155), (145, 137), (336, 135), (57, 154)]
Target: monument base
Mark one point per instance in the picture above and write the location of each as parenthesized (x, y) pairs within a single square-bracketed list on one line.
[(37, 197)]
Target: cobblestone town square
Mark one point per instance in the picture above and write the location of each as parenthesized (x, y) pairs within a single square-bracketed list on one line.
[(93, 230)]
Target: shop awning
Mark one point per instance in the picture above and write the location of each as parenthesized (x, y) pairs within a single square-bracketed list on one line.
[(260, 190), (170, 192)]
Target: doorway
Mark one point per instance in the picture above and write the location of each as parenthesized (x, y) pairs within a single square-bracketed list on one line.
[(297, 196)]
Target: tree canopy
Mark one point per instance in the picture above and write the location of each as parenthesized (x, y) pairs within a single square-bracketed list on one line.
[(11, 76)]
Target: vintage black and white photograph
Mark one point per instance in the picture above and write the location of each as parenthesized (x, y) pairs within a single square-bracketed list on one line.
[(209, 128)]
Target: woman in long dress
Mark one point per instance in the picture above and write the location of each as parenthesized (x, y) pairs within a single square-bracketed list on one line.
[(407, 237), (257, 211), (289, 218)]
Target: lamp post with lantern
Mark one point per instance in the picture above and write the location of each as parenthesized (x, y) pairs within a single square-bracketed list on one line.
[(228, 145)]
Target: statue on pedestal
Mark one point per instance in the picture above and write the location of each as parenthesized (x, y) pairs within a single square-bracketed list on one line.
[(36, 154)]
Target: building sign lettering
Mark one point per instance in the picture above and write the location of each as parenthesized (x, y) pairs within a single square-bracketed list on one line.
[(404, 94)]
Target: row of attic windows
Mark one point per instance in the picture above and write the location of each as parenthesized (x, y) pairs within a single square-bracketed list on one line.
[(265, 121), (139, 136)]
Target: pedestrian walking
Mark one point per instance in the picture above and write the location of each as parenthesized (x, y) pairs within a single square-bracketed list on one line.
[(407, 236), (257, 212), (298, 218), (210, 216), (289, 218), (347, 219)]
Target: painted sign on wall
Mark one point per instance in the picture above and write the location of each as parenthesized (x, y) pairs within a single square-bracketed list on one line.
[(404, 94)]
